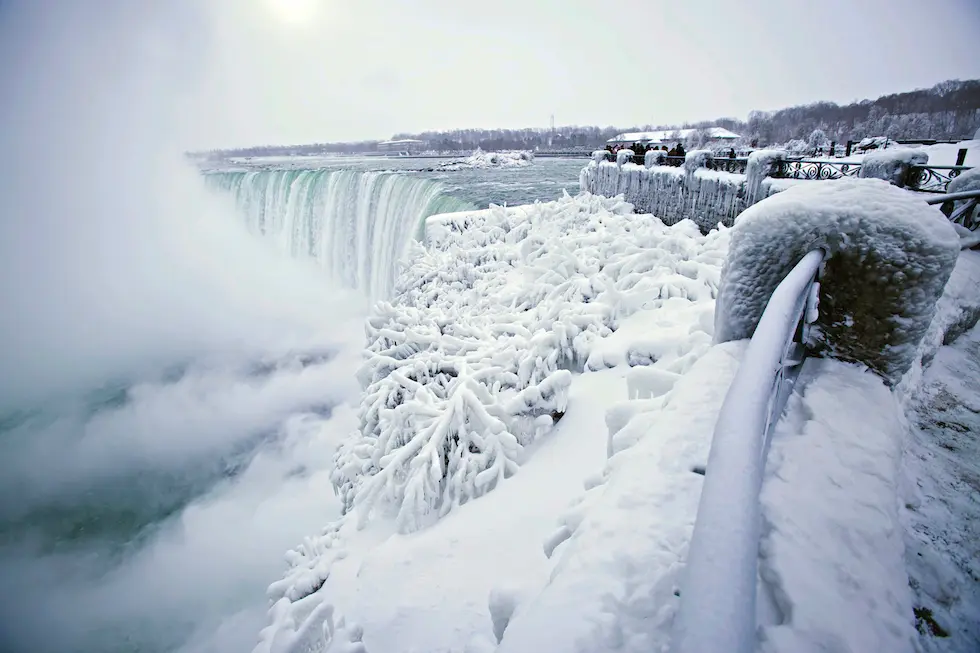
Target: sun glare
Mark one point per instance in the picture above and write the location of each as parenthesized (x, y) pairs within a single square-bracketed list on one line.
[(294, 12)]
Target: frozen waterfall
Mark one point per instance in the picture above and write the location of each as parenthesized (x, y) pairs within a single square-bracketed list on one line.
[(355, 224)]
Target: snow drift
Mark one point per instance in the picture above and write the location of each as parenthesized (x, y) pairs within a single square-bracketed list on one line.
[(890, 255)]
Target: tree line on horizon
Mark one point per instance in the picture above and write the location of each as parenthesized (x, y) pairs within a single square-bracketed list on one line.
[(947, 111)]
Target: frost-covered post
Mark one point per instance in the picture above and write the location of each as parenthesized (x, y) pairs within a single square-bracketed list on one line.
[(888, 256), (894, 166), (655, 158), (623, 156), (760, 165)]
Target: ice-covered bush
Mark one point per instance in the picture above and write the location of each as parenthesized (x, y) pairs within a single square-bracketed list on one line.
[(893, 166), (796, 146), (890, 255), (817, 139), (760, 165), (472, 359)]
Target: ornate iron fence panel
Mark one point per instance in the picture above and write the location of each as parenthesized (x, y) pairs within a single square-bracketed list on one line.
[(933, 179), (810, 169), (730, 165)]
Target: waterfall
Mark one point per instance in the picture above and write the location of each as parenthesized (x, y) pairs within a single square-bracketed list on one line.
[(355, 224)]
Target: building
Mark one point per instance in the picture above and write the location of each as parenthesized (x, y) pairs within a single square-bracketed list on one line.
[(670, 137), (409, 145)]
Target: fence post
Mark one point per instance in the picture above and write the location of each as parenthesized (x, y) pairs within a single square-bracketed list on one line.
[(961, 156), (833, 149), (847, 152)]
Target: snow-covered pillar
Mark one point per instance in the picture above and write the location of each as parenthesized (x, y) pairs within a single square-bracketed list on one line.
[(623, 156), (894, 166), (887, 258), (760, 165), (655, 158)]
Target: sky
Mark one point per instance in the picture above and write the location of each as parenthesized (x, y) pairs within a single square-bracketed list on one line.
[(298, 71)]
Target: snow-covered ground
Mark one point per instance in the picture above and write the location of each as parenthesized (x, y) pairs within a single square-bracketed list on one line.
[(940, 154), (578, 540)]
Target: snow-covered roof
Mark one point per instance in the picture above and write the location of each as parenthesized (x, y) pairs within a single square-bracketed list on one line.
[(671, 134)]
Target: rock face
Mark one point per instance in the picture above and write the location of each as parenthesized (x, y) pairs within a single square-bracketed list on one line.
[(889, 257)]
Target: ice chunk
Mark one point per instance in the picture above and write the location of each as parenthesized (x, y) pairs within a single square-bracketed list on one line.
[(890, 255)]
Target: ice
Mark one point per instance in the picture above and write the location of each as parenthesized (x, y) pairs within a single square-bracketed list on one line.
[(831, 555), (757, 170), (696, 159), (655, 158), (708, 197), (469, 364), (481, 159), (892, 165), (890, 255)]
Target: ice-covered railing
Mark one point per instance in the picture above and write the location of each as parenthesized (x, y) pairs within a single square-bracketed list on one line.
[(724, 549), (883, 256)]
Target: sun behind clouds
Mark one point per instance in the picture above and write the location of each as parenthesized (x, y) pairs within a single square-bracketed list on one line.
[(295, 13)]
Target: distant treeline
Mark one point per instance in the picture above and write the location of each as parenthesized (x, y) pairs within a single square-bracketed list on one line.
[(949, 110)]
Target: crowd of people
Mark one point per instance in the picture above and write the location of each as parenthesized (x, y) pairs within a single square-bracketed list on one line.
[(675, 154)]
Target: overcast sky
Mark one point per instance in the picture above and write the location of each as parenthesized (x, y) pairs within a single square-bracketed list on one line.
[(291, 71)]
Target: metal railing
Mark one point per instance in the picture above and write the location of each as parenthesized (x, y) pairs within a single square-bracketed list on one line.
[(965, 214), (718, 598)]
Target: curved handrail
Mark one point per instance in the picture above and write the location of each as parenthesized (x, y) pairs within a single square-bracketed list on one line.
[(718, 599)]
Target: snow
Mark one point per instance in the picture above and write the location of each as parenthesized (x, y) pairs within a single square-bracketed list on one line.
[(757, 170), (966, 181), (581, 546), (940, 154), (832, 555), (890, 255), (614, 582), (481, 159), (941, 500), (515, 294), (892, 165), (708, 198), (655, 158), (670, 135), (697, 159)]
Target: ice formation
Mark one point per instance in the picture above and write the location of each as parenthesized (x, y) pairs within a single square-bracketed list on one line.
[(892, 165), (890, 255), (470, 362), (707, 197), (697, 159), (757, 170), (481, 159), (655, 158)]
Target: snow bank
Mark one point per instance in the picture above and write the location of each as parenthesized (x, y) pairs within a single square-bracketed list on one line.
[(481, 159), (470, 362), (890, 255), (707, 197), (621, 548), (832, 555), (894, 166)]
